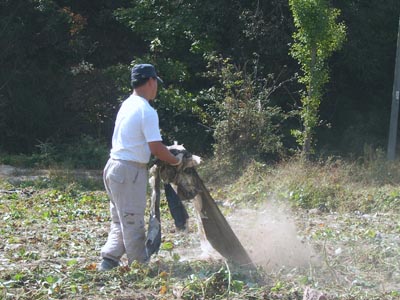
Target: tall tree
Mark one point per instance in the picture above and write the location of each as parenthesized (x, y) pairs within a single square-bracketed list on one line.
[(317, 36)]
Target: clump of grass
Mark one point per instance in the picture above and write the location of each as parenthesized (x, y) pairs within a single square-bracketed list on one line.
[(335, 184)]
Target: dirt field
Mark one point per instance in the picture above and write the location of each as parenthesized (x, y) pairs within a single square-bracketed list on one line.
[(51, 239)]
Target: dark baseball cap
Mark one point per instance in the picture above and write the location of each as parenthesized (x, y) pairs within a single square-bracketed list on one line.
[(142, 71)]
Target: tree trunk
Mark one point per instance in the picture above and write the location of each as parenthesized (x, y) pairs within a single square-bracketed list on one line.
[(309, 111)]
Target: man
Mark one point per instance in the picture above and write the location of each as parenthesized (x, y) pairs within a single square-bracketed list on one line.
[(136, 136)]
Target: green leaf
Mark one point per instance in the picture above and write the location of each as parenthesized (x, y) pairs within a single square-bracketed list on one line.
[(168, 246)]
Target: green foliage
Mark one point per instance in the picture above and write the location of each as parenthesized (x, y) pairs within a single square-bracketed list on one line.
[(215, 285), (318, 35), (171, 34), (120, 74)]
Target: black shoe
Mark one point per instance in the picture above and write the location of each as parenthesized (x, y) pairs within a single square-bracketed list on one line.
[(107, 264)]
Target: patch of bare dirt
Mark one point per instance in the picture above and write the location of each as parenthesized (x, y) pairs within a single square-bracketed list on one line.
[(16, 175)]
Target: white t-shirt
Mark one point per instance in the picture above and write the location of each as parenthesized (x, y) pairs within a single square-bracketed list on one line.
[(136, 125)]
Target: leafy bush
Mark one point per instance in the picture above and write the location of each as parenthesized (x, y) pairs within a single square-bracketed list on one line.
[(86, 152), (309, 196), (247, 125)]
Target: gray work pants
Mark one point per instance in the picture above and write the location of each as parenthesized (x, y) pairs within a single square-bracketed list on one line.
[(126, 184)]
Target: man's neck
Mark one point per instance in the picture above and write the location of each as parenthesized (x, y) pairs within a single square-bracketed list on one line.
[(140, 93)]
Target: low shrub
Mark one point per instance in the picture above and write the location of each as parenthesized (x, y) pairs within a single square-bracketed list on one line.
[(86, 152)]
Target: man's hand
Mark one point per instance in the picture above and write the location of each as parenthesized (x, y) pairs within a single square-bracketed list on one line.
[(159, 150), (179, 157)]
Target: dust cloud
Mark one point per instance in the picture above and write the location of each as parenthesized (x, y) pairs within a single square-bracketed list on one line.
[(268, 234), (270, 237)]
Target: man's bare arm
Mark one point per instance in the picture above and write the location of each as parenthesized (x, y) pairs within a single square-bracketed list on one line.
[(159, 150)]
